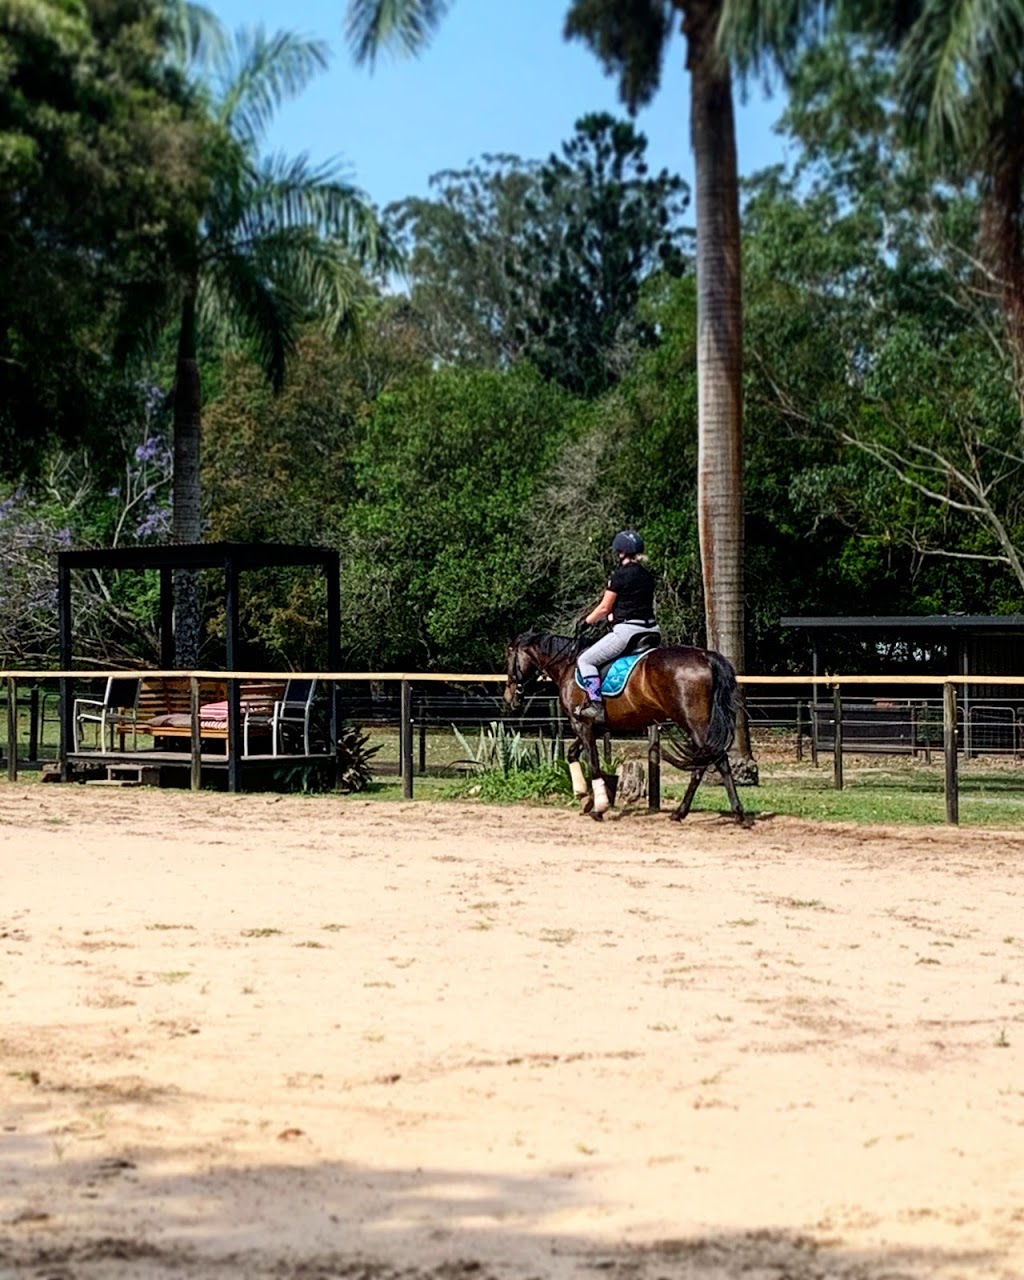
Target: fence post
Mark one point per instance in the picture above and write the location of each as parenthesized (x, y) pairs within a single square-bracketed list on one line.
[(405, 741), (33, 724), (837, 737), (12, 729), (196, 740), (949, 747), (799, 730), (654, 769)]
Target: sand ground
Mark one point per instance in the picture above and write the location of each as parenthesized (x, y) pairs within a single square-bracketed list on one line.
[(300, 1038)]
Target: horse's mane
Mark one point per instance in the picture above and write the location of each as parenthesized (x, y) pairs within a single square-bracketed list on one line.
[(549, 644)]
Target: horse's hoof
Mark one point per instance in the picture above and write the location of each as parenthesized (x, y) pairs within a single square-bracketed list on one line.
[(676, 816), (587, 804), (598, 817)]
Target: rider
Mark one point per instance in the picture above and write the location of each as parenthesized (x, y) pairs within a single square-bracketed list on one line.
[(627, 603)]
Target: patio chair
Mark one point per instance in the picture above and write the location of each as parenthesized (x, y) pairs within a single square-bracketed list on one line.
[(292, 711), (116, 711)]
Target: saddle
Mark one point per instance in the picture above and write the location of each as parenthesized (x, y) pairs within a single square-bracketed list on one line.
[(616, 673)]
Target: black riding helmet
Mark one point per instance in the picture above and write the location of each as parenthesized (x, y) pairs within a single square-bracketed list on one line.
[(628, 543)]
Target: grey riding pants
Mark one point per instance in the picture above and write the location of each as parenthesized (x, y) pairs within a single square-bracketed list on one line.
[(610, 646)]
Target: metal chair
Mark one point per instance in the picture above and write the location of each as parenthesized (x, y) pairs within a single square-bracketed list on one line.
[(294, 709), (117, 710)]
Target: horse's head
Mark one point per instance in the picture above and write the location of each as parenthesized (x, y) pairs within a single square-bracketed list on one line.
[(522, 670)]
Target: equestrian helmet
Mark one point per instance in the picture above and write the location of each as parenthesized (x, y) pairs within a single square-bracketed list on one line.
[(627, 543)]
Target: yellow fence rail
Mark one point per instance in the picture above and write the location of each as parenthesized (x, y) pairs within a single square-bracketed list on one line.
[(836, 681)]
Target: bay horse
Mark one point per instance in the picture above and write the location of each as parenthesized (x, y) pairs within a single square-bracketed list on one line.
[(692, 689)]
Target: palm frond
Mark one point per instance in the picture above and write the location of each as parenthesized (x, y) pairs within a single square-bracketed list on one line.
[(265, 291), (759, 36), (260, 73), (290, 193), (404, 26), (196, 38), (957, 64), (237, 300), (318, 277)]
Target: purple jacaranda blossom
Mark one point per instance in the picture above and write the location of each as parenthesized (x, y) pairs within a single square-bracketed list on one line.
[(149, 449), (153, 396), (156, 524)]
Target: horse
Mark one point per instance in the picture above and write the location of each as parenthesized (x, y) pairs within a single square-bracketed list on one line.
[(692, 689)]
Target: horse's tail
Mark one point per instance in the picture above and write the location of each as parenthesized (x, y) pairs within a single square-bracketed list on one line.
[(707, 746)]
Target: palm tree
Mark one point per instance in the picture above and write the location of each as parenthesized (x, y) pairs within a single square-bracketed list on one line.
[(631, 39), (277, 243)]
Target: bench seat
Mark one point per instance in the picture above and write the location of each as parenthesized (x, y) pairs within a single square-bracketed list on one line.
[(165, 708)]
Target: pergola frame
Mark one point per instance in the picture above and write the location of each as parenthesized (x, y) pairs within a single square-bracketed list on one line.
[(231, 558)]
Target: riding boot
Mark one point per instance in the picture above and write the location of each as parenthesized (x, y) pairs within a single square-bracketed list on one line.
[(593, 708)]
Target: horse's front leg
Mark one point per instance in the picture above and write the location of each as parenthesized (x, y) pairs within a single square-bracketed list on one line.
[(579, 782), (587, 738), (680, 813)]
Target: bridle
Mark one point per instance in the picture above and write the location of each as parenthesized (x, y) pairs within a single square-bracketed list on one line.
[(522, 682), (542, 663)]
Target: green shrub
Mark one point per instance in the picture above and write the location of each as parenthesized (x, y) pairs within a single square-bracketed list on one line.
[(541, 782), (503, 751)]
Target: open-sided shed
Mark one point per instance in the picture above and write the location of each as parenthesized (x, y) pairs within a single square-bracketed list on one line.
[(939, 644), (233, 560)]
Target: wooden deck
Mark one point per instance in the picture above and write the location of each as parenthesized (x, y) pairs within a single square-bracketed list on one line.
[(183, 759)]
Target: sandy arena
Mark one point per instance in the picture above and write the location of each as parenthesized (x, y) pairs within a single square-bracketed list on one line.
[(303, 1038)]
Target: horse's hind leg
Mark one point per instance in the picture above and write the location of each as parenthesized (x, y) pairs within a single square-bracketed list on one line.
[(680, 813), (725, 769)]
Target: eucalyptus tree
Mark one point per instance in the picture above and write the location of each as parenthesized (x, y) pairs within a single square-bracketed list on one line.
[(276, 242), (545, 261), (632, 39)]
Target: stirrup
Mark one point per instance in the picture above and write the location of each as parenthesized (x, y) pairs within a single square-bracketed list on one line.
[(593, 711)]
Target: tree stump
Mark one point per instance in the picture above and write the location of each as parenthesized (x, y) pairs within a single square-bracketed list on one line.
[(632, 776)]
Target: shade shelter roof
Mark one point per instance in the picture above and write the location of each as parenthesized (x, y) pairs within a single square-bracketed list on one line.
[(910, 622), (198, 555)]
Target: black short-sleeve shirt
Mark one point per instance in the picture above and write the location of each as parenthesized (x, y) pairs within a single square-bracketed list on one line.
[(633, 585)]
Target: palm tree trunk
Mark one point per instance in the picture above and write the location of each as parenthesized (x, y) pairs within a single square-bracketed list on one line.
[(719, 340), (186, 519), (1002, 234)]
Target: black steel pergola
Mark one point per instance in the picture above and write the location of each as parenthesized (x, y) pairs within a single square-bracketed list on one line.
[(230, 558)]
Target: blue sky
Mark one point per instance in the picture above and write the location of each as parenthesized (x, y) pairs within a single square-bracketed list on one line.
[(497, 78)]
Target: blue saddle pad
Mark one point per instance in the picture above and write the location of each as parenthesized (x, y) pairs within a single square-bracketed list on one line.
[(613, 680)]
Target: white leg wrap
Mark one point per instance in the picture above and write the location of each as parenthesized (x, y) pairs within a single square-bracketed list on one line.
[(579, 782), (601, 802)]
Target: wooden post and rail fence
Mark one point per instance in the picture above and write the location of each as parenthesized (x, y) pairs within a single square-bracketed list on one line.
[(407, 681)]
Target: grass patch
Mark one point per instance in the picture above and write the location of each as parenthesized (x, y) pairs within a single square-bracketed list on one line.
[(883, 790), (874, 793)]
